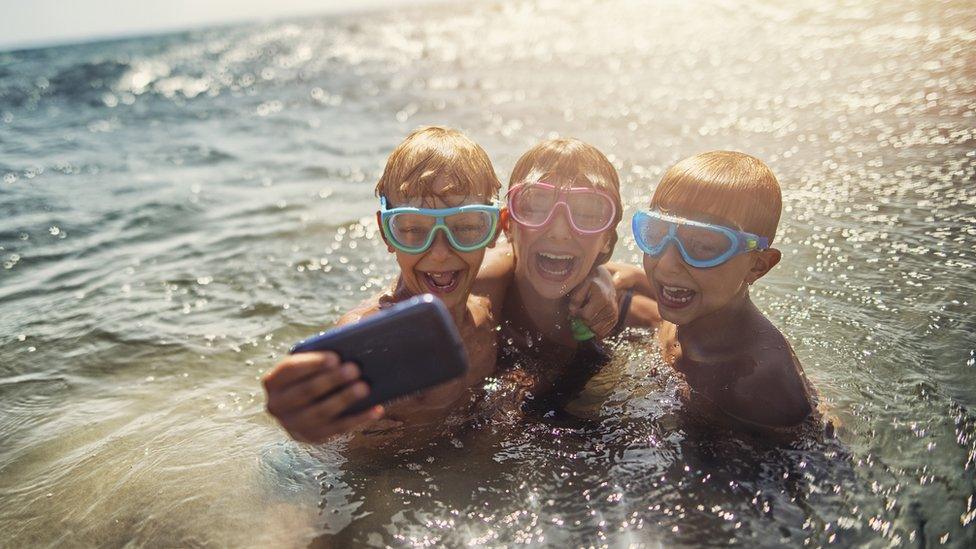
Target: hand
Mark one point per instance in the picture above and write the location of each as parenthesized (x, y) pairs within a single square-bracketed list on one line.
[(626, 277), (297, 389), (594, 302)]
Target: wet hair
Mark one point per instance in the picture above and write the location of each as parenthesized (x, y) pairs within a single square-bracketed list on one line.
[(430, 153), (571, 163), (726, 185)]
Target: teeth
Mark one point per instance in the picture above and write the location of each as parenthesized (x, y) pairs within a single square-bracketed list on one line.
[(558, 257), (678, 294), (442, 279)]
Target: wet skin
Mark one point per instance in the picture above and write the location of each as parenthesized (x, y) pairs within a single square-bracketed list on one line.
[(536, 296), (728, 351), (551, 263), (308, 391)]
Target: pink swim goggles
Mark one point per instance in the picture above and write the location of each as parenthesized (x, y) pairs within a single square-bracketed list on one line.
[(589, 210)]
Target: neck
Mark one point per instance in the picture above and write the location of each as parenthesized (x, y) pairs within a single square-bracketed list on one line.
[(720, 329), (549, 317), (458, 312)]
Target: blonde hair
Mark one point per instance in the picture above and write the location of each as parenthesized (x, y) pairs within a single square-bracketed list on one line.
[(430, 153), (725, 184), (571, 162)]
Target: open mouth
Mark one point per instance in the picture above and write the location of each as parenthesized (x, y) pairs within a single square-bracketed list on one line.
[(676, 297), (555, 266), (442, 282)]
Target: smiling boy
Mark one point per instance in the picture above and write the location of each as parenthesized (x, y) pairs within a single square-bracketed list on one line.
[(706, 239), (437, 218)]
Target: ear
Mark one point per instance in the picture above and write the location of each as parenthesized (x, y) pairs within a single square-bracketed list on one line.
[(502, 226), (504, 221), (762, 263), (379, 223)]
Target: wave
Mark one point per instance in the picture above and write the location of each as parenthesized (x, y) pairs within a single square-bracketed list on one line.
[(88, 80)]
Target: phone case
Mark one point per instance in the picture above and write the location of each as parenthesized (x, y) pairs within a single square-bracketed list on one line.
[(402, 350)]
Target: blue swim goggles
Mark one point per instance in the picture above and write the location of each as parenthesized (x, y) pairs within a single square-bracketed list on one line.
[(412, 230), (700, 244)]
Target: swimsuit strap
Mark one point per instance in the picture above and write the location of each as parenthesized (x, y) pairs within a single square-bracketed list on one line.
[(623, 310)]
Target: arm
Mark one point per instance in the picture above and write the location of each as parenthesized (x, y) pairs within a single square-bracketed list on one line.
[(768, 392), (626, 277), (643, 311)]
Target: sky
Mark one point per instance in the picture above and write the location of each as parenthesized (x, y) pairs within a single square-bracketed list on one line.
[(25, 23)]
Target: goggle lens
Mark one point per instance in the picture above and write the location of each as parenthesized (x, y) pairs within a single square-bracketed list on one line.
[(468, 229), (704, 244), (653, 231), (533, 205), (411, 230)]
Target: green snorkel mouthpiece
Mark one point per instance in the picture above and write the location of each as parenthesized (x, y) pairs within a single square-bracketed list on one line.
[(581, 332)]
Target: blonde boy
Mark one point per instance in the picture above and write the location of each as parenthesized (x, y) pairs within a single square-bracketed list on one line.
[(434, 173), (706, 239)]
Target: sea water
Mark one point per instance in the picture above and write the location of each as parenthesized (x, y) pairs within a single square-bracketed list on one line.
[(176, 210)]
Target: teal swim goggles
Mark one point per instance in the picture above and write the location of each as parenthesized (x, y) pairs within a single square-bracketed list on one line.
[(700, 244), (412, 230)]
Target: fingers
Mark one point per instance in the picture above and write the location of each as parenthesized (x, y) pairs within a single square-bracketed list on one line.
[(599, 317), (327, 409), (595, 303), (307, 391), (318, 420), (296, 367), (579, 296)]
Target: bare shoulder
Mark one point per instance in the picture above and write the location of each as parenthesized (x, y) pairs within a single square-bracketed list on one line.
[(495, 275), (775, 382), (478, 335), (367, 308)]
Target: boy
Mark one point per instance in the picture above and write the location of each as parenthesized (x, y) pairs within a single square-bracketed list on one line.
[(433, 168), (706, 238)]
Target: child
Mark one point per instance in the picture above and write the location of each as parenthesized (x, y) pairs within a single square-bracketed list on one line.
[(433, 168), (706, 238), (563, 209)]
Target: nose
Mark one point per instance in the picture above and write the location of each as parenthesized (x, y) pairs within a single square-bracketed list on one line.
[(670, 261), (560, 226), (440, 248)]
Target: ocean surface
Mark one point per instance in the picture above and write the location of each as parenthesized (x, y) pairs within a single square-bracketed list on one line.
[(176, 210)]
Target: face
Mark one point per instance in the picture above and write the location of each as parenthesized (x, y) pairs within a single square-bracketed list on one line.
[(440, 270), (555, 258), (685, 293)]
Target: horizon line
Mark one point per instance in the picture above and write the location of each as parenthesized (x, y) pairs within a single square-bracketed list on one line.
[(99, 37)]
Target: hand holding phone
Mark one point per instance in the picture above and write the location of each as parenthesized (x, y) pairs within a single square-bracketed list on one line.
[(308, 392), (335, 381)]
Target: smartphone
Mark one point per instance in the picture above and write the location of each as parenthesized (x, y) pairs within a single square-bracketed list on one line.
[(402, 350)]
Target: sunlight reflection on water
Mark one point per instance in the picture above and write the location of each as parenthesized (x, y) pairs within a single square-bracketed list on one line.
[(177, 210)]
